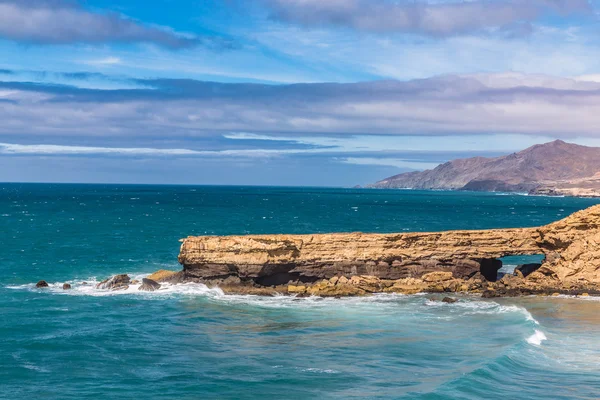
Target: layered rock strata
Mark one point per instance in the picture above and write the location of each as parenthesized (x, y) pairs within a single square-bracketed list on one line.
[(358, 263)]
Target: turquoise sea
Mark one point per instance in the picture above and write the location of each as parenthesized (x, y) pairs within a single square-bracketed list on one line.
[(191, 342)]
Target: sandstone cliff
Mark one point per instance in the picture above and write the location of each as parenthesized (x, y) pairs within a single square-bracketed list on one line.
[(555, 168), (423, 260)]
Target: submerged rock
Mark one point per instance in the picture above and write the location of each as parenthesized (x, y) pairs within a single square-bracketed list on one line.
[(449, 300), (117, 282), (148, 285), (66, 286), (41, 284)]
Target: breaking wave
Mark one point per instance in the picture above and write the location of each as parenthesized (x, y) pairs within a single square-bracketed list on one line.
[(537, 338)]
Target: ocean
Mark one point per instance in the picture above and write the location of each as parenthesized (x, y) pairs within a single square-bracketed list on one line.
[(192, 342)]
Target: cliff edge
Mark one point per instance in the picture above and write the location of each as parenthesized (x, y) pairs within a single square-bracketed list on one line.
[(359, 263)]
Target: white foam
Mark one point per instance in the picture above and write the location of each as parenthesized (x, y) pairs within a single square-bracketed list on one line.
[(474, 307), (89, 289), (320, 371), (465, 306), (537, 338)]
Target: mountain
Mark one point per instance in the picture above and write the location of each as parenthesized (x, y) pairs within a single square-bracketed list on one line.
[(556, 167)]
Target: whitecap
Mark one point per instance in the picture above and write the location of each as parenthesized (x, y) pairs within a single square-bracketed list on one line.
[(89, 289), (537, 338), (320, 371)]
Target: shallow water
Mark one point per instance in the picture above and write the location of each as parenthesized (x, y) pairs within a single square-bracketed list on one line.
[(189, 342)]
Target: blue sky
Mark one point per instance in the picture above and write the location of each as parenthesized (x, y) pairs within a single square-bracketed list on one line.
[(287, 92)]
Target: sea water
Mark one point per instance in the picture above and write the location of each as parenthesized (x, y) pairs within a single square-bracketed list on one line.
[(192, 342)]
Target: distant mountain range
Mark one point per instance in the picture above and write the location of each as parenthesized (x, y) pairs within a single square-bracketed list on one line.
[(555, 168)]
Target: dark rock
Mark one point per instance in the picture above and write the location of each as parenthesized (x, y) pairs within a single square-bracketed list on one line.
[(449, 300), (41, 284), (465, 269), (148, 285), (489, 269), (527, 269), (117, 282), (66, 286)]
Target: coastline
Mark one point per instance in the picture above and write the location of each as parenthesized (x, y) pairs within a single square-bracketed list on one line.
[(359, 264), (581, 193)]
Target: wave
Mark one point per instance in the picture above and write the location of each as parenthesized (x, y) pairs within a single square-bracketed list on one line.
[(88, 288), (467, 305), (537, 338)]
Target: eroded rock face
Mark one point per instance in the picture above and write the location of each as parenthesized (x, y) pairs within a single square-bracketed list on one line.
[(460, 260)]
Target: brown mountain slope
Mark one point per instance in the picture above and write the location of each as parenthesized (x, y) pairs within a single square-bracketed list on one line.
[(548, 168)]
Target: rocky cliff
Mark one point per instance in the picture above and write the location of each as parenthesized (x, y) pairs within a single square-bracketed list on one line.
[(440, 261), (557, 168)]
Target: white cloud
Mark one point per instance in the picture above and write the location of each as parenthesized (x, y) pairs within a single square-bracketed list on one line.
[(315, 114), (391, 162), (48, 149), (104, 61), (407, 143)]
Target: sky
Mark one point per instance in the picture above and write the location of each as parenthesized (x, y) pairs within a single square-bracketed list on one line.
[(287, 92)]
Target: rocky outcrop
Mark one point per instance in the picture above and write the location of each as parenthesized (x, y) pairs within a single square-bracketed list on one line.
[(41, 284), (148, 285), (356, 263), (66, 286), (555, 168), (117, 282), (162, 275)]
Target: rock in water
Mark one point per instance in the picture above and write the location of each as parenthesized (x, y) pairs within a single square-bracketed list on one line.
[(148, 285), (449, 300), (66, 286), (41, 284), (117, 282)]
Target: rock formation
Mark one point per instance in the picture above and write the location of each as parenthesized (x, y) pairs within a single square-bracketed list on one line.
[(41, 284), (148, 285), (162, 275), (358, 263), (555, 168), (117, 282)]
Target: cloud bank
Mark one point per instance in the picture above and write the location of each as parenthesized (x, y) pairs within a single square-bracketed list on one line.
[(447, 105), (64, 22), (438, 19)]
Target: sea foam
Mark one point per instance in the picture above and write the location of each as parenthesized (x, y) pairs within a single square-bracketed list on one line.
[(537, 338)]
